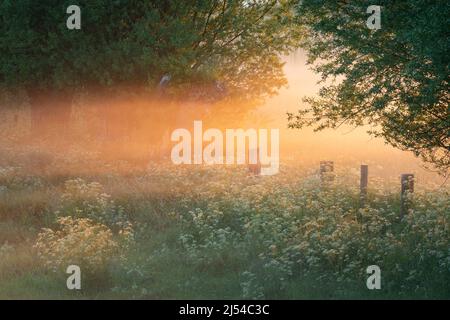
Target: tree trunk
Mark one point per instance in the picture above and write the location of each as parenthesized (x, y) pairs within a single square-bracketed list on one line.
[(50, 113)]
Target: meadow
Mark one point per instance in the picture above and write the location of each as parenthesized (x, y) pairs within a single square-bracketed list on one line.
[(212, 232)]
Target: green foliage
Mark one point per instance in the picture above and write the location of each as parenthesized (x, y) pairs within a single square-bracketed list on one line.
[(395, 78), (131, 44), (87, 200), (78, 241), (218, 232), (284, 231)]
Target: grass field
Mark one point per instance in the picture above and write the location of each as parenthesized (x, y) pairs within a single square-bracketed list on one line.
[(213, 232)]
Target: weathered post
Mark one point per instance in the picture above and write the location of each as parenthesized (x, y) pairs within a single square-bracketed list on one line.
[(407, 181), (254, 168), (363, 184), (326, 171)]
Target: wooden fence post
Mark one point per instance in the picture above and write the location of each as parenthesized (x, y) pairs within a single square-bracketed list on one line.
[(363, 184), (326, 171), (407, 181), (254, 168)]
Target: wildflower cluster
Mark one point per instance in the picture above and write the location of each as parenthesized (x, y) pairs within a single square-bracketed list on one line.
[(288, 228), (78, 241), (82, 199), (91, 232)]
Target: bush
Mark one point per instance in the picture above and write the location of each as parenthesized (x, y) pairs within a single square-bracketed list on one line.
[(87, 200), (82, 242)]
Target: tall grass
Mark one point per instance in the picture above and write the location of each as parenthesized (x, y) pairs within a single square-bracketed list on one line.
[(218, 232)]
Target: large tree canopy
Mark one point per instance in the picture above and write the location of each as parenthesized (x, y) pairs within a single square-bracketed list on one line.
[(133, 43), (395, 78)]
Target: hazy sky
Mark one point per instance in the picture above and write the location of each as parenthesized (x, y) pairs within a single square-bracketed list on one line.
[(345, 144)]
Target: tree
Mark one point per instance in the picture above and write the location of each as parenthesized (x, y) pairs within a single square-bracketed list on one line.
[(395, 78), (128, 45)]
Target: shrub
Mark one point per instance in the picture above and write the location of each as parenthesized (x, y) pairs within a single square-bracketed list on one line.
[(82, 242), (87, 200)]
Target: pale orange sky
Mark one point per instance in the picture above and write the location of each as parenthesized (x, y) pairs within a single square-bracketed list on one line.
[(345, 144)]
